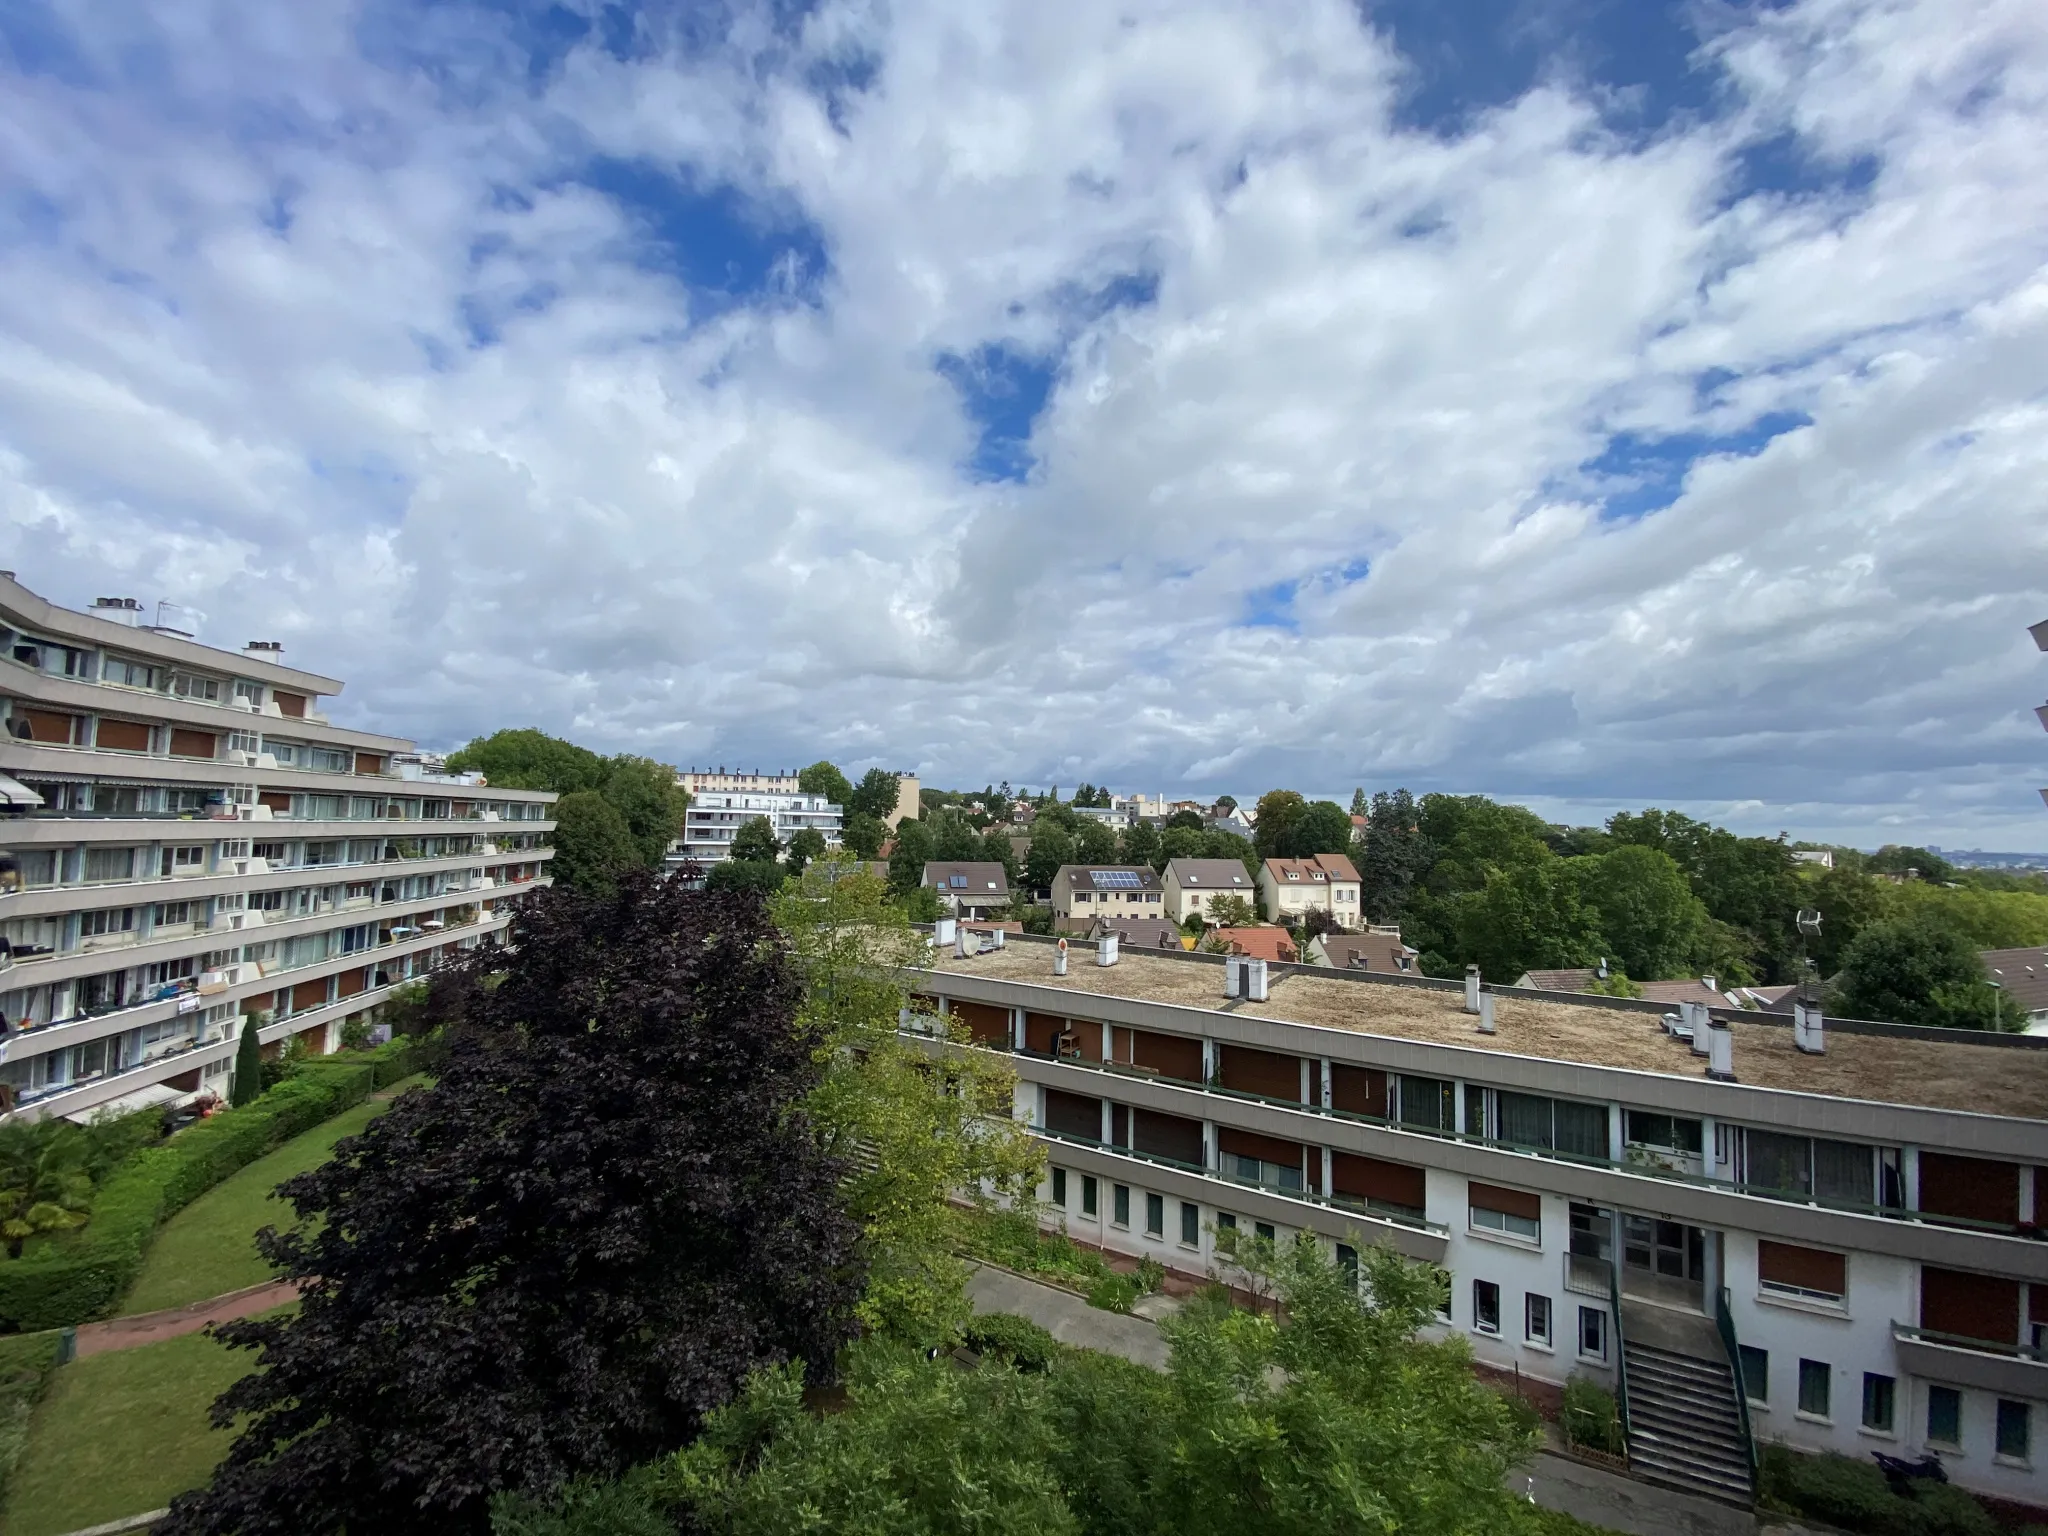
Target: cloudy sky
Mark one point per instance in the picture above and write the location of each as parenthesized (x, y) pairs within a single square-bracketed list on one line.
[(1580, 401)]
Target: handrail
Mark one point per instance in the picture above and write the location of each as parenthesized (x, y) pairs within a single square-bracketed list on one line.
[(1724, 1324), (1620, 1354)]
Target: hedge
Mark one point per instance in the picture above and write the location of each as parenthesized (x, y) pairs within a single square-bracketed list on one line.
[(1855, 1496), (27, 1362), (82, 1278)]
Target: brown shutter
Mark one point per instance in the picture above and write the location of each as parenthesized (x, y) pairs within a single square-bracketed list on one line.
[(279, 802), (986, 1023), (1267, 1149), (1974, 1188), (122, 736), (1806, 1269), (292, 704), (47, 725), (309, 994), (369, 762), (1972, 1306), (1088, 1036), (353, 982), (1041, 1030), (1509, 1202), (1072, 1115), (1265, 1073), (1367, 1178), (1173, 1056), (186, 743), (1171, 1136), (1358, 1090)]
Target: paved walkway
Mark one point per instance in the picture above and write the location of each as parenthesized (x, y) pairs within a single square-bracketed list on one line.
[(1555, 1481), (155, 1327)]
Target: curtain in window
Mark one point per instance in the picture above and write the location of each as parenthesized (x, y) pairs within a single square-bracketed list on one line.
[(1582, 1129), (1843, 1170), (1780, 1162), (1525, 1120)]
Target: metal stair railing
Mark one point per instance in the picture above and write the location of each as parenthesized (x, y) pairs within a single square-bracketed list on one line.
[(1724, 1324)]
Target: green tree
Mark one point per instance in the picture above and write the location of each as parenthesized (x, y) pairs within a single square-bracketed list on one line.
[(805, 844), (1393, 855), (1360, 806), (762, 877), (593, 844), (247, 1081), (874, 796), (1231, 911), (1523, 919), (1274, 820), (1848, 903), (1051, 847), (1916, 971), (1228, 845), (45, 1179), (755, 842), (1748, 883), (915, 848), (1645, 909), (1094, 843), (954, 837), (530, 759), (1322, 826), (1187, 820), (863, 835), (650, 801), (1904, 859), (821, 778), (996, 848), (1140, 844)]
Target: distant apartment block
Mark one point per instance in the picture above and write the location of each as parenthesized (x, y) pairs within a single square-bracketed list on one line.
[(714, 818), (192, 848), (699, 781)]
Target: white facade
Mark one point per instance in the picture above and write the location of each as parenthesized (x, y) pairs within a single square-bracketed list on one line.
[(714, 819), (199, 850)]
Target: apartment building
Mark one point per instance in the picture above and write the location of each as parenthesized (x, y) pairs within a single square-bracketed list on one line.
[(1191, 886), (704, 781), (1845, 1219), (1290, 889), (1081, 893), (193, 848), (715, 818)]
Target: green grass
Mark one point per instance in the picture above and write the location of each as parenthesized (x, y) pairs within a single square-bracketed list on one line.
[(209, 1248), (120, 1433)]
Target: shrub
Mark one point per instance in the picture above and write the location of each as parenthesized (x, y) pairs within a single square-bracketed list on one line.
[(1855, 1496), (82, 1278), (1018, 1340), (1115, 1293), (26, 1363), (1590, 1416)]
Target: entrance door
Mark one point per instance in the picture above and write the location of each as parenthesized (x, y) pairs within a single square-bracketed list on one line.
[(1663, 1260)]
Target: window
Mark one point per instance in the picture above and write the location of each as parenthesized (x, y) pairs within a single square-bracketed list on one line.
[(1347, 1261), (1673, 1133), (171, 913), (1059, 1188), (109, 864), (1536, 1319), (1814, 1377), (1190, 1224), (1879, 1393), (185, 861), (128, 674), (1810, 1274), (2013, 1430), (109, 920), (1592, 1333), (1511, 1212), (253, 692), (1756, 1375), (1155, 1216), (1090, 1198), (329, 759), (1842, 1172), (186, 686), (1526, 1120), (1265, 1230), (1944, 1417), (1442, 1277), (1120, 1204), (1486, 1306), (1426, 1103), (244, 741)]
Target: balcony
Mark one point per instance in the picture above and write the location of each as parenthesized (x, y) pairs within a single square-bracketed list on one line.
[(2009, 1370)]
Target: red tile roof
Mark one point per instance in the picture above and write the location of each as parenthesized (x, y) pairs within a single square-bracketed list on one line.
[(1261, 943)]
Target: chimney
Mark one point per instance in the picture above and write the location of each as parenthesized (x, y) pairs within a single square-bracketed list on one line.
[(1708, 983), (960, 949), (1471, 989), (1721, 1051), (1486, 1026), (117, 610), (997, 936), (1255, 979), (1059, 958), (1233, 976), (1105, 949), (1808, 1031), (264, 650), (944, 931), (1701, 1018)]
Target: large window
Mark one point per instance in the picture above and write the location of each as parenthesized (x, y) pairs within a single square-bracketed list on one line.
[(1879, 1397), (1756, 1375), (1840, 1172), (1426, 1104), (1814, 1388), (1511, 1212), (1669, 1133), (2015, 1431), (1560, 1125), (1486, 1306), (1945, 1417), (109, 864)]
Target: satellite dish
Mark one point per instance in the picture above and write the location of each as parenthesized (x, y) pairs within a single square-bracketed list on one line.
[(1809, 921)]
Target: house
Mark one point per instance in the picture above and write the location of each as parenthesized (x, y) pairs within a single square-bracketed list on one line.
[(1377, 949), (1192, 884), (968, 890), (1234, 821), (1824, 857), (1138, 932), (1114, 817), (2021, 975), (1082, 892), (1266, 942), (1290, 889)]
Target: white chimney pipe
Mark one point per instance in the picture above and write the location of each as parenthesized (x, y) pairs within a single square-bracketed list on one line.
[(1255, 979), (1059, 959), (1233, 976), (944, 930), (997, 936), (1809, 1032), (1105, 950), (1486, 1026), (960, 949), (1702, 1027), (1471, 989), (1721, 1052)]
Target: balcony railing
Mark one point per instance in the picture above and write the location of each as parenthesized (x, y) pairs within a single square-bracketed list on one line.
[(2034, 1353)]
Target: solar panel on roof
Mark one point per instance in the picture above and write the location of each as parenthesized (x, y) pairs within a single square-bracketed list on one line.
[(1123, 878)]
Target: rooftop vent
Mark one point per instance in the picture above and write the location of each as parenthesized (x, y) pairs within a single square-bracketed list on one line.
[(1721, 1052), (1255, 979), (264, 650), (1486, 1024), (1809, 1033), (1471, 989), (120, 610), (1233, 976), (1105, 949), (1059, 958)]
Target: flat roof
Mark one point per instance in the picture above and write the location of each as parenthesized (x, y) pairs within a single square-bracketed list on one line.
[(1989, 1079)]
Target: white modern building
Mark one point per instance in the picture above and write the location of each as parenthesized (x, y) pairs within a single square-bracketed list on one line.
[(715, 818), (192, 848), (715, 781)]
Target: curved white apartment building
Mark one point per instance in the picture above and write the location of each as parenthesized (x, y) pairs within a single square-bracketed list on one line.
[(197, 849)]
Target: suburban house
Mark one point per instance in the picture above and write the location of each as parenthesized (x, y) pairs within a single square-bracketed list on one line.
[(1082, 892), (2021, 975), (1137, 932), (1116, 817), (1192, 884), (1290, 889), (968, 890), (1828, 1237), (1272, 944), (1377, 949)]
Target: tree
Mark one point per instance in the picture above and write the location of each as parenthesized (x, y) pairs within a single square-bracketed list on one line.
[(1524, 919), (605, 1213), (821, 778), (1903, 859), (954, 838), (1051, 847), (761, 877), (1184, 819), (805, 844), (1916, 971), (1232, 911), (1645, 910), (650, 801), (1393, 855), (996, 848), (1274, 819), (1094, 843), (1140, 844), (1225, 804), (593, 844), (1320, 827), (1359, 805), (756, 842), (915, 848), (530, 759), (45, 1179), (874, 795), (863, 835), (247, 1081)]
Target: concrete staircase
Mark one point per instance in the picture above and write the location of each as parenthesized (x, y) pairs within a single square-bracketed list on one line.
[(1684, 1426)]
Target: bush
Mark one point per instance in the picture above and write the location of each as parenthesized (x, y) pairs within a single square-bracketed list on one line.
[(1115, 1293), (1590, 1416), (1855, 1496), (82, 1278), (1018, 1340), (26, 1364)]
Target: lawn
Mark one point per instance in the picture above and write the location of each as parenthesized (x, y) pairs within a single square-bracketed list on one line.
[(120, 1433), (209, 1247)]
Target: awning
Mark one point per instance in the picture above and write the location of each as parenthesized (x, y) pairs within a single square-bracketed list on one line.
[(17, 796), (142, 1098)]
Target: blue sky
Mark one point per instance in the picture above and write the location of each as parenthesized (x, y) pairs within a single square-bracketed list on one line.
[(1594, 401)]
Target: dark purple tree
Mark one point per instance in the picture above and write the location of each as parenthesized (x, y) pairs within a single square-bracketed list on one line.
[(556, 1259)]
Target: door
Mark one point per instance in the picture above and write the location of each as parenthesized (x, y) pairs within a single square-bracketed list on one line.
[(1663, 1260)]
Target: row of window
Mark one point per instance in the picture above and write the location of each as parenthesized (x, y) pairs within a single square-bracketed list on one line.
[(2012, 1433), (61, 660), (1538, 1314), (126, 798)]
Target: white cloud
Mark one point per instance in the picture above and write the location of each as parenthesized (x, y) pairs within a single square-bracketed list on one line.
[(330, 344)]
